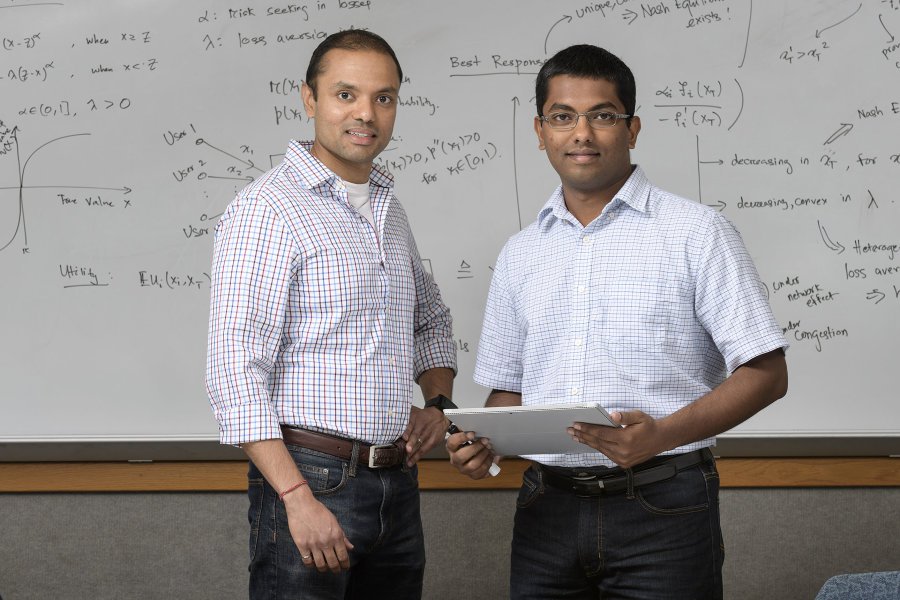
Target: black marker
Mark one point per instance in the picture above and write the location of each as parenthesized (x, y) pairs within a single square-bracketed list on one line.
[(494, 469)]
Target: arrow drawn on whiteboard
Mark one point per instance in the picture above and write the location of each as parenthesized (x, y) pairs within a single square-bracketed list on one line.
[(842, 131), (515, 101), (819, 32), (881, 20), (124, 190), (876, 293), (245, 178), (248, 163), (718, 205), (631, 18), (834, 247), (565, 18)]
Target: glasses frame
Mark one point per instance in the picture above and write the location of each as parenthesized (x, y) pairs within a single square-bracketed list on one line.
[(591, 122)]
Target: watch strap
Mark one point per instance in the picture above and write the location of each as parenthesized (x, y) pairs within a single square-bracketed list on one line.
[(440, 402)]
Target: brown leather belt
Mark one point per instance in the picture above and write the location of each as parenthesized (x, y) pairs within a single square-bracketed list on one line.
[(375, 457), (653, 471)]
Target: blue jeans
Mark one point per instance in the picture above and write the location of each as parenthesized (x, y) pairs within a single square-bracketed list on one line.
[(378, 510), (663, 540)]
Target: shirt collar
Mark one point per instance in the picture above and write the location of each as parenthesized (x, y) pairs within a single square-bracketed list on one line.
[(635, 193), (314, 173)]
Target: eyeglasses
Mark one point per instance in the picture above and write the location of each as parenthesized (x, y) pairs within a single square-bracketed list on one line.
[(597, 119)]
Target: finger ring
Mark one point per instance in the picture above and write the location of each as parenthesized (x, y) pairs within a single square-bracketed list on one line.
[(306, 556)]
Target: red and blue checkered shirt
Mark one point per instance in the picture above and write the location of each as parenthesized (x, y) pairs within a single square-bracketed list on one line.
[(316, 320)]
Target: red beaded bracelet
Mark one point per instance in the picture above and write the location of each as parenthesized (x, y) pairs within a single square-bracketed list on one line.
[(291, 489)]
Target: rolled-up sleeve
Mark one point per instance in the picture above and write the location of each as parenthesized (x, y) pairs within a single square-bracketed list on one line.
[(251, 274)]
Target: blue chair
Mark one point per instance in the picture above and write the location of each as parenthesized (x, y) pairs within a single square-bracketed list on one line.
[(884, 585)]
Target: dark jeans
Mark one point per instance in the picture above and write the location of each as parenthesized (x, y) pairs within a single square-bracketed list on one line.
[(378, 510), (662, 541)]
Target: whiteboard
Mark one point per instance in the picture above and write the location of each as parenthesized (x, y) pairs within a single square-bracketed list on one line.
[(127, 127)]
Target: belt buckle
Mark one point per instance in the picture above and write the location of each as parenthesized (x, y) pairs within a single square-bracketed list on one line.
[(373, 452), (588, 483)]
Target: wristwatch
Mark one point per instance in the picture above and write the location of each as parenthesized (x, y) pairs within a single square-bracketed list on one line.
[(440, 402)]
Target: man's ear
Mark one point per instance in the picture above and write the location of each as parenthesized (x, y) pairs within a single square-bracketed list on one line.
[(539, 131), (634, 128), (309, 100)]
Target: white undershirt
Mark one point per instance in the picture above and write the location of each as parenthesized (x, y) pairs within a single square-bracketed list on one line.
[(358, 195)]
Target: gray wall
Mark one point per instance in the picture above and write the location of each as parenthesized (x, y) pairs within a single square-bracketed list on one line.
[(781, 543)]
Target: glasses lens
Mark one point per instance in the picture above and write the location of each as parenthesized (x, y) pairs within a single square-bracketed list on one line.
[(601, 118), (562, 120)]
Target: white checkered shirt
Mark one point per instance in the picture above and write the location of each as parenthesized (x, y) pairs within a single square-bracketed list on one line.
[(315, 321), (647, 308)]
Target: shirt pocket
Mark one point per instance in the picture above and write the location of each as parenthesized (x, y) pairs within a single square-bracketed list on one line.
[(635, 314)]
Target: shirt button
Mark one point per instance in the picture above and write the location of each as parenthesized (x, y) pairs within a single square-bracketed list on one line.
[(393, 361), (582, 289), (578, 341), (586, 240), (576, 391)]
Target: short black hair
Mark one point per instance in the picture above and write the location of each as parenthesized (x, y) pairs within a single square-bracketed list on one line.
[(590, 62), (351, 39)]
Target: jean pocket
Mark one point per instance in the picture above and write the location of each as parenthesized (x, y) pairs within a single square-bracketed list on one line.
[(687, 492), (255, 493), (532, 488), (323, 475)]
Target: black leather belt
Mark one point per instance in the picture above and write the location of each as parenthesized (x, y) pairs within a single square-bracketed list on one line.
[(376, 457), (653, 471)]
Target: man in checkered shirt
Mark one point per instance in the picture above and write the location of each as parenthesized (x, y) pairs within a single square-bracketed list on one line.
[(322, 319), (627, 295)]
